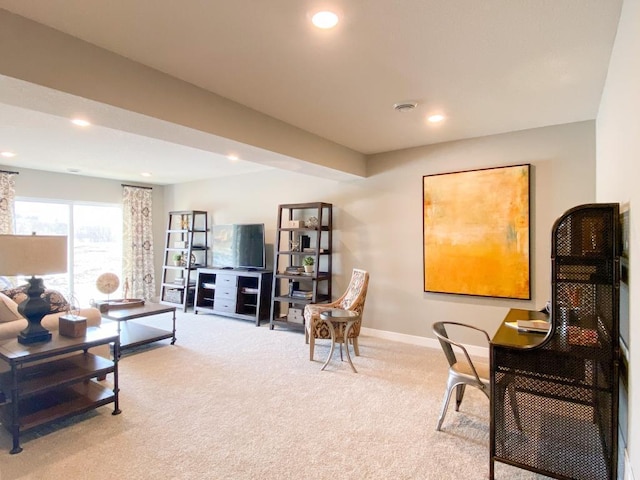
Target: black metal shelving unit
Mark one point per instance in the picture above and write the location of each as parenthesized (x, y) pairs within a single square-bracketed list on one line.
[(303, 230), (187, 234)]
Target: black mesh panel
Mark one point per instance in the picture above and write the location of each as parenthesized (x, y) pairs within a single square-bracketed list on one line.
[(566, 388)]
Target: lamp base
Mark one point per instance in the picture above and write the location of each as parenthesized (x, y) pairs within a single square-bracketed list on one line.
[(34, 308), (33, 337)]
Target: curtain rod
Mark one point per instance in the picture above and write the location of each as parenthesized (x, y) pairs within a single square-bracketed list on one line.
[(136, 186), (10, 172)]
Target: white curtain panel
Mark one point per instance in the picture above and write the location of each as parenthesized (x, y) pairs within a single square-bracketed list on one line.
[(137, 258), (7, 202)]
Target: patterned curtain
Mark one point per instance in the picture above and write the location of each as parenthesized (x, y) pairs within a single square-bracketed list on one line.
[(7, 201), (137, 258)]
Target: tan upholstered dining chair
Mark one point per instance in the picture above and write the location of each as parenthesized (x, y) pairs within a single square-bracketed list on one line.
[(353, 299)]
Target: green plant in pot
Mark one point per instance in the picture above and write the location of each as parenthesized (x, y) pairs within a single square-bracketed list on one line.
[(177, 258), (308, 263)]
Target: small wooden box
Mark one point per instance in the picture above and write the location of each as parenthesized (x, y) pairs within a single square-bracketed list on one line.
[(295, 315), (296, 224), (72, 326)]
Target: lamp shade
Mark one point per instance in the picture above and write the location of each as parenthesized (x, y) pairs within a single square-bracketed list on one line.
[(32, 254)]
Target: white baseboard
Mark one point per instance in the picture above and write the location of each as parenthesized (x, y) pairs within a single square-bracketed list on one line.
[(628, 473), (473, 350)]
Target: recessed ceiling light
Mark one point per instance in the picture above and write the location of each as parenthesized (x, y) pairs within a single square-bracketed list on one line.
[(80, 122), (325, 19), (145, 174), (233, 158), (73, 170), (8, 154), (435, 118), (405, 106)]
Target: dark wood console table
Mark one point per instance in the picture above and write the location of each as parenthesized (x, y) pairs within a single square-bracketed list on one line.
[(238, 293)]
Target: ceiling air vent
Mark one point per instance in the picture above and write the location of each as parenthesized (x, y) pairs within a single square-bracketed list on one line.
[(405, 106)]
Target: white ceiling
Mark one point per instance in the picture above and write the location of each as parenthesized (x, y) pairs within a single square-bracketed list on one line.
[(489, 66)]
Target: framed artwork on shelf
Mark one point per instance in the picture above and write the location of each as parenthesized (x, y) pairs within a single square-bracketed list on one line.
[(476, 228)]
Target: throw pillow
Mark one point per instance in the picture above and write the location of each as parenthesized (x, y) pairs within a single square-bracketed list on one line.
[(17, 294), (55, 298), (57, 301), (8, 309)]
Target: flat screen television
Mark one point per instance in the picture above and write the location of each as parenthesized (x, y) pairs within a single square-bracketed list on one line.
[(238, 246)]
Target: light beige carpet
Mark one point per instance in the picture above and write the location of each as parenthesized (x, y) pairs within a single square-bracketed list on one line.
[(233, 401)]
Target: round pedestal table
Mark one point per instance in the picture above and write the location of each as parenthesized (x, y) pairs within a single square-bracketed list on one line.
[(344, 320)]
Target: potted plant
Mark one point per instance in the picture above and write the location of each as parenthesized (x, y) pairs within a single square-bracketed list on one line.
[(308, 264), (177, 259)]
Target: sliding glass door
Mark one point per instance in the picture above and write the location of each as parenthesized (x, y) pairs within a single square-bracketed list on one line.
[(95, 242)]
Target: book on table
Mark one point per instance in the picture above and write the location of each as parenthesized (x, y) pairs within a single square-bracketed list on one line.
[(302, 294), (535, 326)]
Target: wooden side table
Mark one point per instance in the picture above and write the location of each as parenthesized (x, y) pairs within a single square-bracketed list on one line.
[(345, 320), (52, 380)]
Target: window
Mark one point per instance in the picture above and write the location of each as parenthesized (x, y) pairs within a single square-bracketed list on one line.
[(95, 242)]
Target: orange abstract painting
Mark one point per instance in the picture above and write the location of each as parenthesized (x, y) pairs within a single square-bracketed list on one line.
[(476, 232)]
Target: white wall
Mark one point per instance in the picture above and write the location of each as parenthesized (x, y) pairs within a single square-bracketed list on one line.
[(618, 171), (378, 220)]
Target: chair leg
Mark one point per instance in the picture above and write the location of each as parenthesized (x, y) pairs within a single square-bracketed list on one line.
[(356, 350), (445, 405), (306, 336), (312, 344), (459, 395)]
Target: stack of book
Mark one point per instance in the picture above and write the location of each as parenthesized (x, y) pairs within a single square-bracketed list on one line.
[(530, 326), (302, 294), (294, 270)]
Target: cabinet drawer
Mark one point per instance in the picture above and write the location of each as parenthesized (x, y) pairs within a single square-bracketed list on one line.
[(223, 280), (225, 293), (224, 306)]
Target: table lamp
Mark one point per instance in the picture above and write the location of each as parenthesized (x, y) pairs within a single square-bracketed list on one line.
[(33, 255)]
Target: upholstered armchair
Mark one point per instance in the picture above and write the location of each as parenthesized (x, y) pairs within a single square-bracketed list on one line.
[(353, 299)]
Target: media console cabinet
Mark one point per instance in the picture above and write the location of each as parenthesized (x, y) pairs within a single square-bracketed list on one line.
[(238, 293)]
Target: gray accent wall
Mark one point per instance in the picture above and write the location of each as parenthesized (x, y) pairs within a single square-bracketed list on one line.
[(378, 219)]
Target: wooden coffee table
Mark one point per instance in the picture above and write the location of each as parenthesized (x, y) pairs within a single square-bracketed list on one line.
[(134, 334)]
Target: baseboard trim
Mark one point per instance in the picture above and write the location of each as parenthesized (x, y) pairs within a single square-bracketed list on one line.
[(628, 473), (473, 350)]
